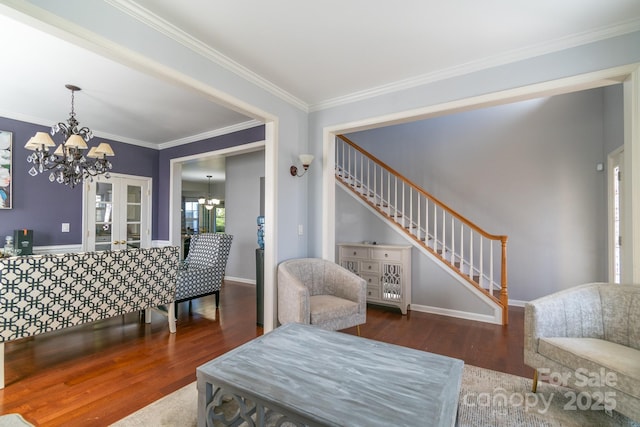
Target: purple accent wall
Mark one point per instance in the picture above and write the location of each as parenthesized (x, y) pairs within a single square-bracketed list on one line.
[(161, 226), (43, 206)]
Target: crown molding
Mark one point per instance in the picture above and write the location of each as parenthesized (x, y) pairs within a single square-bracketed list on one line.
[(148, 18), (96, 134), (118, 138), (210, 134), (540, 49)]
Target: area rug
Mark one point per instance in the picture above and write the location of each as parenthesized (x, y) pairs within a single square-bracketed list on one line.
[(13, 420), (487, 398)]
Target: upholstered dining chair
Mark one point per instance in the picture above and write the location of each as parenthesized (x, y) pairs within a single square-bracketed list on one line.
[(322, 293), (202, 271)]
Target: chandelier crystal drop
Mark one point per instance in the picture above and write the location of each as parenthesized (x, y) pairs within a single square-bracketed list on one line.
[(68, 164)]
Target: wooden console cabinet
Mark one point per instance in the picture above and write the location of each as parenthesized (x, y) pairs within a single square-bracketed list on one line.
[(386, 268)]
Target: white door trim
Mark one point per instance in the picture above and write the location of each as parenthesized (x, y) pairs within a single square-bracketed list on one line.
[(614, 158), (147, 215), (270, 248)]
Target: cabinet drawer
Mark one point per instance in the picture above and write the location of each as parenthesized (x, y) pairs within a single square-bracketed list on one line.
[(373, 293), (371, 280), (386, 254), (369, 267), (354, 252)]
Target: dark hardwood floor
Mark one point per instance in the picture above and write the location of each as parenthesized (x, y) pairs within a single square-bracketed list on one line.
[(96, 374)]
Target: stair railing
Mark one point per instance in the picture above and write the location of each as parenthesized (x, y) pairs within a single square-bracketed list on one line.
[(478, 257)]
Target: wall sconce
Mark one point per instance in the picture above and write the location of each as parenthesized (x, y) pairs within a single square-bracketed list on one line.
[(306, 160)]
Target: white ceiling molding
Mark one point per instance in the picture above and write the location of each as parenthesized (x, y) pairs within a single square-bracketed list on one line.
[(143, 15), (211, 134), (485, 63)]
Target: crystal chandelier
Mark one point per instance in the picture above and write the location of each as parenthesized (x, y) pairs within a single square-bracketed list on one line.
[(67, 164), (208, 202)]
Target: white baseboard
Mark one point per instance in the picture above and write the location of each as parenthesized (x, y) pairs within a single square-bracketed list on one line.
[(57, 249), (517, 302), (455, 313), (64, 249), (241, 280)]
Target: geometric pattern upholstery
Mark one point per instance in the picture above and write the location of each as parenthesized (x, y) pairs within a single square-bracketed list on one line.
[(203, 269), (43, 293)]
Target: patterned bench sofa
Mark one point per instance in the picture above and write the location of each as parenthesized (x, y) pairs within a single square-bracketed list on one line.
[(43, 293)]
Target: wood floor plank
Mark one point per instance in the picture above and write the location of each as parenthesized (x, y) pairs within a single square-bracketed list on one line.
[(94, 375)]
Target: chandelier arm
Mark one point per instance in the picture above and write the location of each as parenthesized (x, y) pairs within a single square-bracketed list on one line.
[(69, 166)]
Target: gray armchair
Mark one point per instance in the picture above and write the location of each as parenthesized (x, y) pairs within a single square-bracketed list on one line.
[(203, 269), (322, 293), (588, 338)]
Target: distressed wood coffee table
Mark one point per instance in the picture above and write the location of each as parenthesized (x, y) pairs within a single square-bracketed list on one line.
[(312, 377)]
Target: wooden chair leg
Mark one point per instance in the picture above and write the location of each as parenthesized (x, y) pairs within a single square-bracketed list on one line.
[(534, 386), (217, 294), (358, 328)]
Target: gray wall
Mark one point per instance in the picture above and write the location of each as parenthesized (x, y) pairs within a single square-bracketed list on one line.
[(242, 203), (527, 170), (613, 118)]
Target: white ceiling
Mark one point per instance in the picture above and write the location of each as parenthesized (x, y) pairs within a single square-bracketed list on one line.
[(312, 54)]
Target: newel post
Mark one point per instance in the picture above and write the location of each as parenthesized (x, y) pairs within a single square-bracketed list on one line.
[(504, 296)]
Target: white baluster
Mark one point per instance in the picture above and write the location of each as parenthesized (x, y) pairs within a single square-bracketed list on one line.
[(410, 209), (435, 227), (491, 264), (481, 260), (419, 216), (471, 261), (426, 221), (368, 175), (375, 182), (461, 246), (453, 241), (444, 232)]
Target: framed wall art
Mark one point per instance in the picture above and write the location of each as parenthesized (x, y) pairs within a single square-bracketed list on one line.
[(5, 169)]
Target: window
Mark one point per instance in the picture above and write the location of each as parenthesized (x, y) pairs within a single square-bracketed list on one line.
[(191, 217), (220, 220)]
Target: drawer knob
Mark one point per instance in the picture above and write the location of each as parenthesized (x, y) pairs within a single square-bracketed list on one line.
[(355, 253), (369, 280), (369, 267), (386, 255), (369, 292)]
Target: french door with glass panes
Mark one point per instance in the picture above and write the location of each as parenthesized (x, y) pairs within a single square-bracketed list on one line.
[(117, 213)]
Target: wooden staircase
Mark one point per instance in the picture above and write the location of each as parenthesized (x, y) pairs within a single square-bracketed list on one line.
[(479, 258)]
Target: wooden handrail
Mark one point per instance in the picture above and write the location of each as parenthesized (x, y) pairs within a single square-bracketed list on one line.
[(420, 190)]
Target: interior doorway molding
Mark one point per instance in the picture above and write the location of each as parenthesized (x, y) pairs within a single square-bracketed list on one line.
[(628, 75), (175, 191), (615, 202)]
